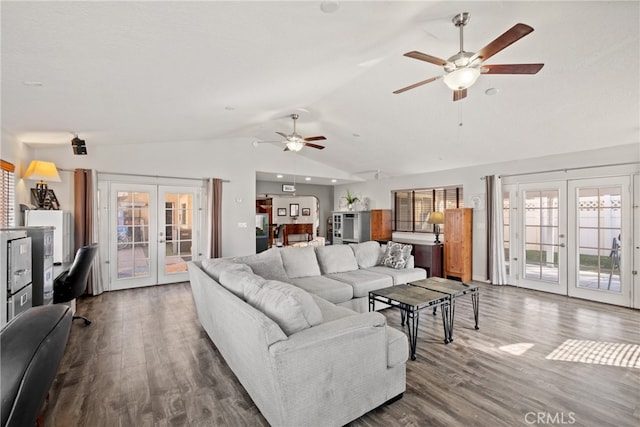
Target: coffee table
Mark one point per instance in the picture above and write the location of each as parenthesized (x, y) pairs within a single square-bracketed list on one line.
[(410, 300), (454, 290)]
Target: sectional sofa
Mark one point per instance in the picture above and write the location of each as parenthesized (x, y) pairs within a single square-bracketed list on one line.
[(285, 323)]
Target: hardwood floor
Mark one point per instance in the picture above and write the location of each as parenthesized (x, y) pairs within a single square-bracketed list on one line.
[(145, 361)]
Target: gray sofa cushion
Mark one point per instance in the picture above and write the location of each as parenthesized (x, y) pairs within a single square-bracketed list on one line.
[(363, 281), (402, 275), (332, 290), (336, 259), (215, 266), (396, 255), (240, 282), (290, 307), (331, 311), (267, 264), (368, 254), (300, 262)]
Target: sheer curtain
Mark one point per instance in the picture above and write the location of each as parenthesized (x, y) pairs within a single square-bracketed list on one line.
[(214, 218), (496, 269), (86, 227)]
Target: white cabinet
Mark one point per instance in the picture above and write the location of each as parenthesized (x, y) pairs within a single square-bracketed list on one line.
[(61, 221), (351, 227)]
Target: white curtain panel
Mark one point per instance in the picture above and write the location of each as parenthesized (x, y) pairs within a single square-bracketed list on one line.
[(497, 268), (98, 286)]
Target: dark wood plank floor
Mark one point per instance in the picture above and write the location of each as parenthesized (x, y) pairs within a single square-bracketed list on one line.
[(145, 361)]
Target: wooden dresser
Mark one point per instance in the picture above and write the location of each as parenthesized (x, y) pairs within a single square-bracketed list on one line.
[(458, 243)]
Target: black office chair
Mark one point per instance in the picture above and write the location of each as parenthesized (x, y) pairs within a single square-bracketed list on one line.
[(31, 348), (73, 283)]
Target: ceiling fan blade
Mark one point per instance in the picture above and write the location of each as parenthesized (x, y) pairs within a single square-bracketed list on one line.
[(319, 147), (315, 138), (512, 35), (459, 94), (286, 149), (415, 85), (285, 136), (511, 69), (424, 57)]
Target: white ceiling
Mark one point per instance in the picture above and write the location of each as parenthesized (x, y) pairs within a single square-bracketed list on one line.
[(146, 72)]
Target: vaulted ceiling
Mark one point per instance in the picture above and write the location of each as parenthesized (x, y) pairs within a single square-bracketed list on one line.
[(148, 72)]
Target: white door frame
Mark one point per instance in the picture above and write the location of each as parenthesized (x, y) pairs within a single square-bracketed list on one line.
[(106, 184), (622, 297), (558, 239), (116, 283)]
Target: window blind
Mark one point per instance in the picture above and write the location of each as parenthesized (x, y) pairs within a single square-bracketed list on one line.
[(7, 194)]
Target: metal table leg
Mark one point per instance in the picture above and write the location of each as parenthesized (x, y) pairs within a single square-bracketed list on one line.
[(475, 300), (412, 316)]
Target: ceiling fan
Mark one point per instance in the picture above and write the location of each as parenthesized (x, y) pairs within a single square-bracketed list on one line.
[(295, 142), (463, 69)]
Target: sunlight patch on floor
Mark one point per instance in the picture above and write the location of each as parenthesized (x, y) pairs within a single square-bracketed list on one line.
[(598, 352), (517, 349)]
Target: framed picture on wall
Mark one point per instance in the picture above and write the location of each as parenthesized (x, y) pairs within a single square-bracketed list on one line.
[(306, 212), (294, 209), (282, 211)]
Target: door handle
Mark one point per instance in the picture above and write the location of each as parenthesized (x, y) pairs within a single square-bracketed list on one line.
[(562, 245), (161, 241)]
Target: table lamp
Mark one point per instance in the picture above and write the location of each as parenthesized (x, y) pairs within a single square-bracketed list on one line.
[(436, 218), (39, 170)]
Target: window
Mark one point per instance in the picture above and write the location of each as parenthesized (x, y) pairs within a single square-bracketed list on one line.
[(411, 208), (7, 195)]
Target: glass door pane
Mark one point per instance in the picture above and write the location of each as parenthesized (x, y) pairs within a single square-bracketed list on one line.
[(599, 228), (133, 234), (176, 236), (133, 248)]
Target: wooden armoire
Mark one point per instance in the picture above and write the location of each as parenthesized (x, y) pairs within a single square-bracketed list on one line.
[(458, 225)]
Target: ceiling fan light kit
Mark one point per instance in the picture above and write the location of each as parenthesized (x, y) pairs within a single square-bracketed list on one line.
[(463, 69), (462, 78)]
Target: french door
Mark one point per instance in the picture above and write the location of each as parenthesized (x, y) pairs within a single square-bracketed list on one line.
[(152, 234), (601, 219), (565, 237), (543, 230)]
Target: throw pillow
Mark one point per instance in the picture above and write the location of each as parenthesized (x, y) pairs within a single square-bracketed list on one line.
[(292, 308), (396, 255)]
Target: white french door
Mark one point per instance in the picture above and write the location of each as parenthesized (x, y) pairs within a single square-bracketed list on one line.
[(542, 262), (152, 233), (176, 232), (567, 237)]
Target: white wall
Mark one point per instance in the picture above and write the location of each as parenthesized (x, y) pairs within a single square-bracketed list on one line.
[(379, 191), (235, 160), (13, 151)]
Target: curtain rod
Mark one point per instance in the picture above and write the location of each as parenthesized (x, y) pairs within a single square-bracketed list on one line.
[(145, 176), (565, 169)]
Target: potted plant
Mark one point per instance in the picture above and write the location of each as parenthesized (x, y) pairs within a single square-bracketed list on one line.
[(351, 199)]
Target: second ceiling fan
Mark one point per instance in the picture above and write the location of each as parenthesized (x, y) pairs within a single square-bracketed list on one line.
[(464, 68), (295, 142)]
